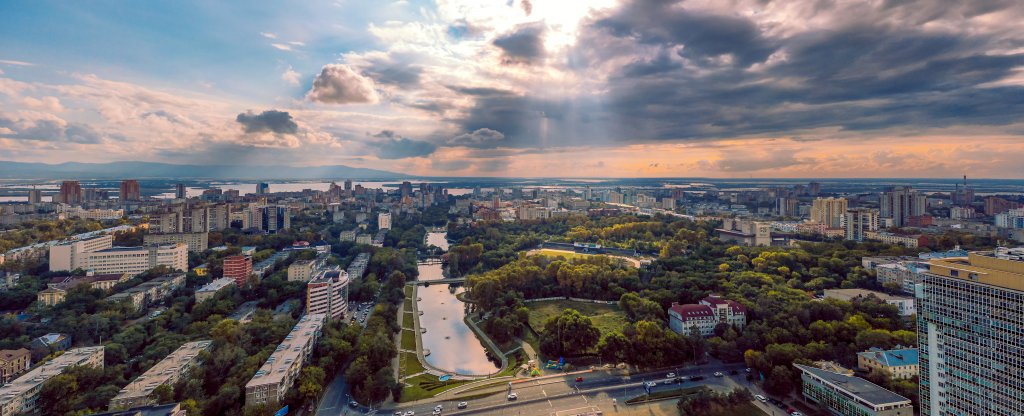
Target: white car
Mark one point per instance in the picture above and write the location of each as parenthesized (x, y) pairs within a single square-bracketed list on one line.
[(438, 408), (718, 374), (651, 384), (796, 414), (463, 405), (513, 396), (761, 398), (410, 413), (670, 375)]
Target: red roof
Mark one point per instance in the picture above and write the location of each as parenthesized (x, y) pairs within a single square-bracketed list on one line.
[(717, 301), (692, 311)]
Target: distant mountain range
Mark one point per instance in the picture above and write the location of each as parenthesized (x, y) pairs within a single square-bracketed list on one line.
[(152, 170)]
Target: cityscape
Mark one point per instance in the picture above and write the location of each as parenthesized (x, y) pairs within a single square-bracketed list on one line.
[(515, 207)]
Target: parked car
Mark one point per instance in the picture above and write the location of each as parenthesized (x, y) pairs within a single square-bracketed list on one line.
[(651, 384), (796, 414), (670, 375), (579, 379), (761, 398), (718, 374)]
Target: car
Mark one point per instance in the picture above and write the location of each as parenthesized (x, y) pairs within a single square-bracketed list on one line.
[(399, 413), (579, 379), (438, 408), (670, 375), (410, 413), (718, 374), (513, 396), (651, 384), (796, 414), (761, 398), (353, 403), (748, 370), (462, 405), (435, 412)]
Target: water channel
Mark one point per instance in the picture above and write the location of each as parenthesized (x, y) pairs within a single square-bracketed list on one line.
[(452, 345)]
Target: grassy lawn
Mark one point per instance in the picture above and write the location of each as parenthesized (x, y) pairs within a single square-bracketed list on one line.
[(408, 340), (410, 365), (607, 318), (425, 386)]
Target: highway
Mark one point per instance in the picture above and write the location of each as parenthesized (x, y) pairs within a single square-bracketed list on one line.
[(598, 388)]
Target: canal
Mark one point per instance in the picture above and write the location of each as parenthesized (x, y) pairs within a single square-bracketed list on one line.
[(452, 345)]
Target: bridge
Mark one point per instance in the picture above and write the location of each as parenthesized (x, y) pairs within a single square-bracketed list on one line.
[(444, 281), (429, 261)]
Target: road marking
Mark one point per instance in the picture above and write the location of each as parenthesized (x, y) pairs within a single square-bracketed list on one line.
[(544, 392), (549, 404)]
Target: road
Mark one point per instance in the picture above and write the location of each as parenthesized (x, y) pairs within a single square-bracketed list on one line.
[(544, 397), (335, 398)]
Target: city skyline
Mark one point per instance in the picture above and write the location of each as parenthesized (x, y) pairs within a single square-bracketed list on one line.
[(627, 88)]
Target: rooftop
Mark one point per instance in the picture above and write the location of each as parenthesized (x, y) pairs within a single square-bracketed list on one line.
[(40, 374), (893, 358), (290, 351), (164, 371), (850, 294), (216, 285), (856, 386)]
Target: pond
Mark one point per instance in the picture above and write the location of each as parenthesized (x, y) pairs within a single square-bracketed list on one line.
[(452, 345)]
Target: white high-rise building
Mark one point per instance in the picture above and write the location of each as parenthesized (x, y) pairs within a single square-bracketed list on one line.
[(73, 255), (859, 221), (384, 221), (328, 294), (829, 211)]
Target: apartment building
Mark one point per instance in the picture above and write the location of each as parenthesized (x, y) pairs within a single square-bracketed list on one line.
[(71, 255), (859, 222), (969, 320), (197, 242), (58, 287), (327, 294), (829, 211), (281, 370), (136, 260), (238, 268), (209, 290), (149, 292), (19, 396), (166, 372), (302, 270), (899, 363), (384, 221), (12, 363)]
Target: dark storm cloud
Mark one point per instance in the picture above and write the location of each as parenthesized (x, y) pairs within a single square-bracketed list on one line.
[(703, 35), (695, 75), (482, 137), (393, 146), (394, 70), (273, 121), (525, 44)]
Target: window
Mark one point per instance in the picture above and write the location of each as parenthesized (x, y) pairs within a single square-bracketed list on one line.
[(954, 273)]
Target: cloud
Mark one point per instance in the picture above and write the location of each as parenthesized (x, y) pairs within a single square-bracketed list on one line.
[(51, 104), (523, 45), (268, 35), (527, 6), (291, 76), (15, 63), (393, 146), (482, 137), (46, 128), (273, 121), (339, 84), (281, 46)]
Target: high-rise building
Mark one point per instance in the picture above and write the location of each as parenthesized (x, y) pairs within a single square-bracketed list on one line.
[(901, 203), (35, 196), (786, 207), (70, 193), (969, 319), (238, 268), (180, 192), (405, 189), (130, 191), (814, 188), (859, 221), (348, 184), (384, 221), (996, 205), (276, 218), (829, 211), (262, 188), (328, 294)]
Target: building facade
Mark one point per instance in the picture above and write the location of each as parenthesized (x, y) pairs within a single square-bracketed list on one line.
[(197, 242), (145, 294), (19, 396), (13, 363), (238, 268), (209, 290), (130, 191), (899, 363), (328, 294), (901, 203), (71, 255), (384, 221), (969, 337), (706, 315), (859, 222), (829, 211)]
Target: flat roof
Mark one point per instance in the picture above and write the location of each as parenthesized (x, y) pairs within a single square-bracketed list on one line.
[(289, 352), (216, 284), (48, 370), (164, 370), (861, 388), (847, 294)]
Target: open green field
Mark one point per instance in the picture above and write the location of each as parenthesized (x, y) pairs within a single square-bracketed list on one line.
[(408, 340), (607, 318), (410, 364), (426, 385)]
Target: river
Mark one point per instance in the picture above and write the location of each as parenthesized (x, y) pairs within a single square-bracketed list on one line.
[(453, 346)]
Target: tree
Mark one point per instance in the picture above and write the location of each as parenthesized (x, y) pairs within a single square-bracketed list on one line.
[(311, 382), (57, 395), (163, 393), (614, 347), (780, 381), (568, 334)]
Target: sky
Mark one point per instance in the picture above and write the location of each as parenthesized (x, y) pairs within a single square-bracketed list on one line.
[(522, 88)]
